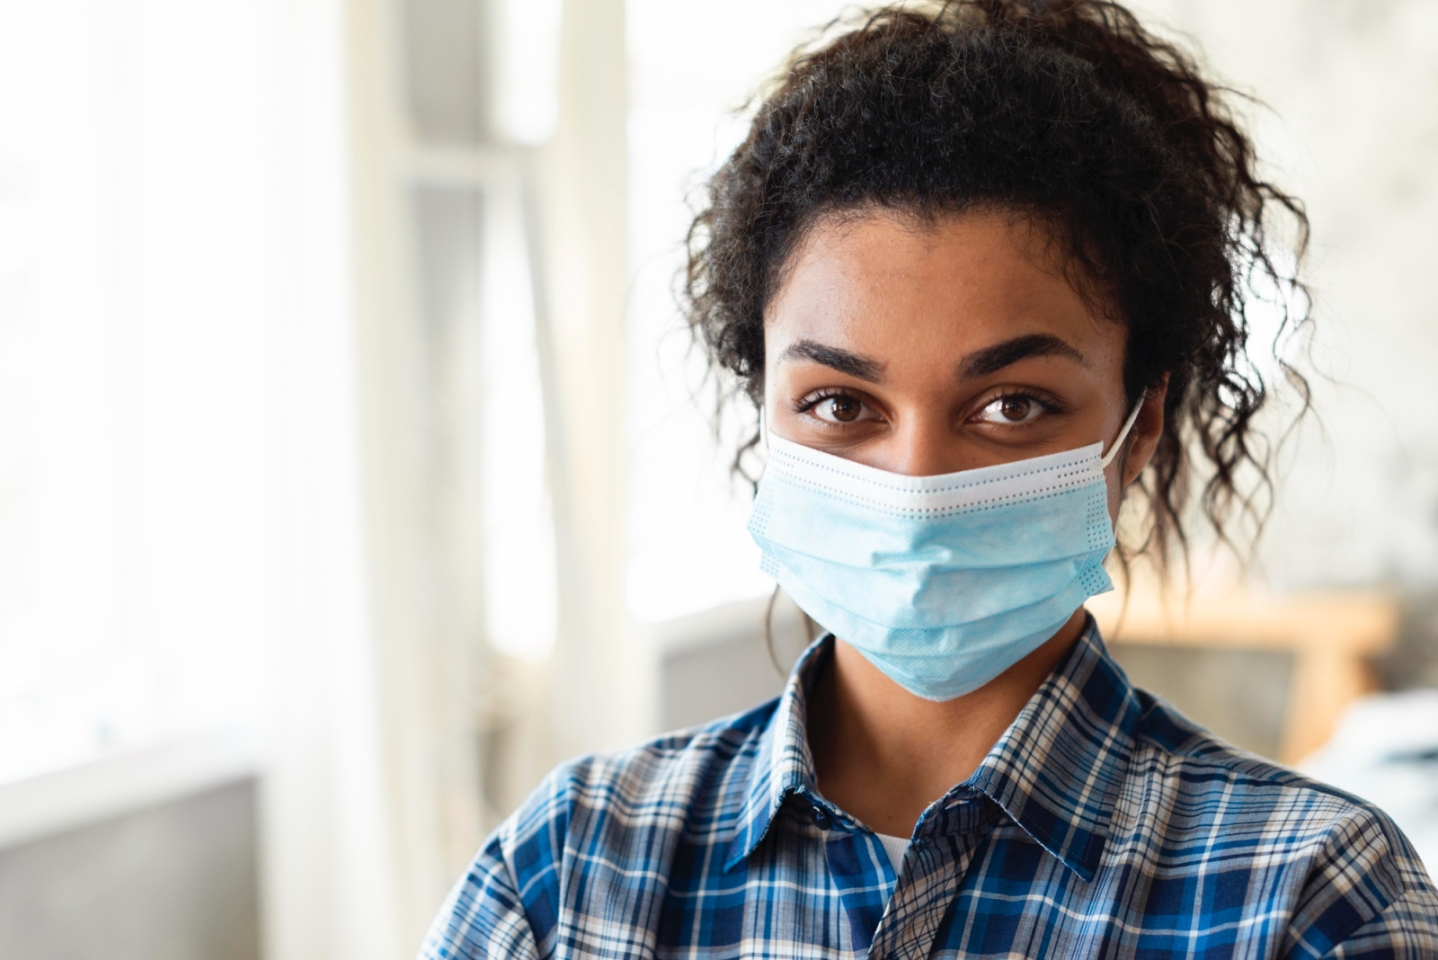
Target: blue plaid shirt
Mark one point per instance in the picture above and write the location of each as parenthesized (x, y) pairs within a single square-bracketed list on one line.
[(1102, 824)]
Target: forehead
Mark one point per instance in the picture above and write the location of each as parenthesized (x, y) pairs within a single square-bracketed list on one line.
[(885, 282)]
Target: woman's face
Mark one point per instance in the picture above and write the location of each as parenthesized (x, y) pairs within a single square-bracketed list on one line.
[(925, 349)]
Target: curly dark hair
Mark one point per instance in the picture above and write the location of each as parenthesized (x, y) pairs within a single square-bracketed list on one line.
[(1066, 111)]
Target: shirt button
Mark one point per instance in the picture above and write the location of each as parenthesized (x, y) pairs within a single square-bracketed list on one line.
[(820, 817)]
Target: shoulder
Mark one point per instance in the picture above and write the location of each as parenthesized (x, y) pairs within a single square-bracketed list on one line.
[(600, 829), (631, 805), (1336, 860), (1198, 765), (651, 783)]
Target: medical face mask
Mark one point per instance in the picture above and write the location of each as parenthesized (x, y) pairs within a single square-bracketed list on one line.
[(943, 582)]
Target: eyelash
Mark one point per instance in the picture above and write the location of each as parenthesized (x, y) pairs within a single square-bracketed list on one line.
[(805, 404), (1048, 404)]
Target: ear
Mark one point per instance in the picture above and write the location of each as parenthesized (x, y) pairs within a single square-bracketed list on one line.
[(1147, 429)]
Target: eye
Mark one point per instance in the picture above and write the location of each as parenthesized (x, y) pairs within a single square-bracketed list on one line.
[(1012, 409), (837, 408)]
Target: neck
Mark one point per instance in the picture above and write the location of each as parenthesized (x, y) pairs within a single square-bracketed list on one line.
[(883, 754)]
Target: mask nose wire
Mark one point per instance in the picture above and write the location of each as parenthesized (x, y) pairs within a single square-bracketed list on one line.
[(1123, 432)]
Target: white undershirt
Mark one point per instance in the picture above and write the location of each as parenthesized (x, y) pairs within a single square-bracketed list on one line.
[(895, 847)]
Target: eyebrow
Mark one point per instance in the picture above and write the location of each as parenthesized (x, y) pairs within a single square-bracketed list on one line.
[(989, 360), (841, 360), (980, 363)]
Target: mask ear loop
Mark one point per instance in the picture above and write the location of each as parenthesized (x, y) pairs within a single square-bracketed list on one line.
[(1123, 433)]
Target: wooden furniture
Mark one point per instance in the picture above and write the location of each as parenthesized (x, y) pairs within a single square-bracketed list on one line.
[(1332, 636)]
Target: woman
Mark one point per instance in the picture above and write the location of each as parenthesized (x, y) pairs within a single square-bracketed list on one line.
[(982, 268)]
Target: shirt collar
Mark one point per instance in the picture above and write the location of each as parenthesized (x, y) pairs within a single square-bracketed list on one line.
[(783, 764), (1056, 771)]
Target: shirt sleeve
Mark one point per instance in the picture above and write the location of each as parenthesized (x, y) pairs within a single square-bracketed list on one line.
[(483, 917), (1368, 896), (1406, 930)]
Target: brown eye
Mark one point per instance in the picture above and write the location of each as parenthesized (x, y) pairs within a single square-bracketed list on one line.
[(839, 408), (1012, 410), (845, 409), (1015, 408)]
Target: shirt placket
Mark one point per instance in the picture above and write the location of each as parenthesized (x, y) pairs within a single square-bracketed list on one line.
[(860, 871), (934, 865)]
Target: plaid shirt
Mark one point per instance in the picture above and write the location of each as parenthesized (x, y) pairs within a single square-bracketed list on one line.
[(1102, 824)]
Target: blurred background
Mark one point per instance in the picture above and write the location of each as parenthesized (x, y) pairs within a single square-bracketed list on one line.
[(355, 466)]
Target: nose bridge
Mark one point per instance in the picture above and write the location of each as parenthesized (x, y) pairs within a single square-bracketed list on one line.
[(923, 446)]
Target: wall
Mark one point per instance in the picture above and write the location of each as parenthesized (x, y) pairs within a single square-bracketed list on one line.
[(171, 882)]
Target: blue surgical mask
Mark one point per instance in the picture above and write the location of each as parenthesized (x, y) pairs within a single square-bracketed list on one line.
[(943, 582)]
